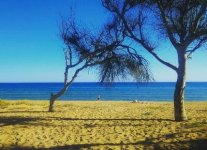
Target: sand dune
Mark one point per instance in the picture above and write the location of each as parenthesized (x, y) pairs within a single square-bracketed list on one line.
[(100, 125)]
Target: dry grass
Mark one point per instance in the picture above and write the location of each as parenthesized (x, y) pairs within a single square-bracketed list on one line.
[(100, 125)]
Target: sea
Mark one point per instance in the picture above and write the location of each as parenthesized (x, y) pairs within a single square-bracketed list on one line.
[(120, 91)]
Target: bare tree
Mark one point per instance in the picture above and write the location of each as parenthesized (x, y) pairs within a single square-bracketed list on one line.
[(107, 51), (184, 22)]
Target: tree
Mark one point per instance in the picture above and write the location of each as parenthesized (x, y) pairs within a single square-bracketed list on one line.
[(106, 51), (184, 22), (69, 64)]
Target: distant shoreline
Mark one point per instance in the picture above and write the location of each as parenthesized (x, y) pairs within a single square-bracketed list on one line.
[(85, 101), (127, 91), (99, 82)]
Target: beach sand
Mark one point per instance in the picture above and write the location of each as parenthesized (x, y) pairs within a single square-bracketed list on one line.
[(101, 125)]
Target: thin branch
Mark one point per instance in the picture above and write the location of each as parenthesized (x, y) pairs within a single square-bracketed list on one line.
[(169, 31), (200, 43), (195, 36), (198, 16), (164, 62), (147, 47)]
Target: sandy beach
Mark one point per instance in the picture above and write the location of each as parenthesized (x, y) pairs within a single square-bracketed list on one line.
[(100, 125)]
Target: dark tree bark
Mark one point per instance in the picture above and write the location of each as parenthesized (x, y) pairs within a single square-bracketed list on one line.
[(179, 93), (67, 83), (68, 65), (53, 97), (52, 100)]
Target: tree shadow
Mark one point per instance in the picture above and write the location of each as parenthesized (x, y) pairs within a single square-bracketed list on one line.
[(150, 143), (202, 110), (199, 144), (26, 111), (6, 121), (113, 119), (16, 120)]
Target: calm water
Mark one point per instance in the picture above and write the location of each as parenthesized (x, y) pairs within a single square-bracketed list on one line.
[(157, 91)]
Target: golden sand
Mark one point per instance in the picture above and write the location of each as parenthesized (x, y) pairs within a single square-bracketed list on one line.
[(101, 125)]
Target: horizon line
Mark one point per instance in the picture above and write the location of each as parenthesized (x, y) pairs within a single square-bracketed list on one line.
[(108, 82)]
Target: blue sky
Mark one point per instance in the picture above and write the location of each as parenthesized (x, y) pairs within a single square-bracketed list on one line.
[(31, 50)]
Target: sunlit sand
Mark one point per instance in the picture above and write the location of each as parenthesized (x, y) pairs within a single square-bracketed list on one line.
[(100, 125)]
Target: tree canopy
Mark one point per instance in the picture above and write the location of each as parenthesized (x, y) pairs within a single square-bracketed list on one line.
[(108, 51)]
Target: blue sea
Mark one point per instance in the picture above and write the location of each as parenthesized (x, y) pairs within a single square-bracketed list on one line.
[(154, 91)]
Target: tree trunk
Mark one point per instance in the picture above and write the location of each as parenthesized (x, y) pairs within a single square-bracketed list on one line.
[(52, 100), (53, 97), (179, 94)]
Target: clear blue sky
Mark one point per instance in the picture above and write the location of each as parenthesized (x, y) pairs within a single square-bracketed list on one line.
[(31, 50)]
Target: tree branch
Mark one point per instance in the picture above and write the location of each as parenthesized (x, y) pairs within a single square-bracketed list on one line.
[(195, 36), (141, 41), (200, 43), (198, 16), (168, 29)]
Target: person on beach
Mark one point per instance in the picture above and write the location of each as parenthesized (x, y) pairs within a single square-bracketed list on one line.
[(98, 98)]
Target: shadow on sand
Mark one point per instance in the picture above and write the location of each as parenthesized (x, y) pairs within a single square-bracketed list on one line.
[(200, 144), (16, 120), (6, 121), (149, 143), (25, 111), (112, 119)]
